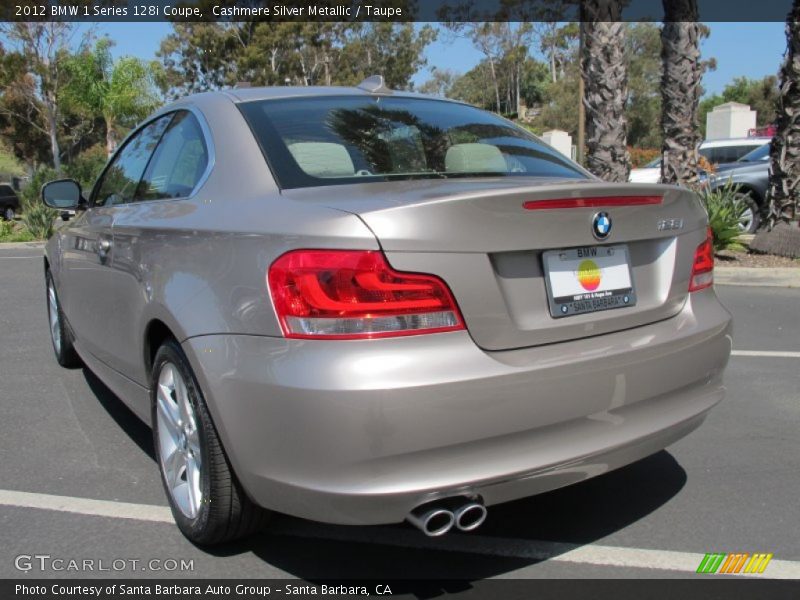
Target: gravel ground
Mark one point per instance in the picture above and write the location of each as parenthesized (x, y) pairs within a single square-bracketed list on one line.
[(728, 258)]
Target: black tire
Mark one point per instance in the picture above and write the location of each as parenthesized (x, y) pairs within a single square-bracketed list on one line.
[(63, 348), (225, 513), (9, 214), (752, 208)]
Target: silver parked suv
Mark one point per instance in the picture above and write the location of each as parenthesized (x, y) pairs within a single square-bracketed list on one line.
[(362, 306)]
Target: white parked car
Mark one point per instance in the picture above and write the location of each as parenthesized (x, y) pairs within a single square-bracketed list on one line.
[(715, 151), (650, 173)]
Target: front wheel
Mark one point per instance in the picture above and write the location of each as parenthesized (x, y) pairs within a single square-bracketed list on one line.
[(207, 501), (9, 214)]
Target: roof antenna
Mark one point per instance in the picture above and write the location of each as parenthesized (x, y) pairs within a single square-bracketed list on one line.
[(374, 85)]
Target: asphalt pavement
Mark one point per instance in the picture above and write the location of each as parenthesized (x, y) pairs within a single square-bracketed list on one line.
[(731, 486)]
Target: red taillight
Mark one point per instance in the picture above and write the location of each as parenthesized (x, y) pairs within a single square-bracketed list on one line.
[(354, 294), (602, 202), (703, 267)]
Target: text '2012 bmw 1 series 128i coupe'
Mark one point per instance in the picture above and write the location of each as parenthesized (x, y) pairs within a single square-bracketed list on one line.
[(362, 306)]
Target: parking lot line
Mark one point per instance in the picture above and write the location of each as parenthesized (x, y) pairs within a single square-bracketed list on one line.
[(87, 506), (591, 554), (765, 353)]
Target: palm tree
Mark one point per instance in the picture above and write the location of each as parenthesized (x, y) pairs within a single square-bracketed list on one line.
[(783, 237), (785, 151), (680, 91), (605, 78)]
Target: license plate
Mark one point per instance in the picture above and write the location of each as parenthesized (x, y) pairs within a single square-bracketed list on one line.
[(583, 280)]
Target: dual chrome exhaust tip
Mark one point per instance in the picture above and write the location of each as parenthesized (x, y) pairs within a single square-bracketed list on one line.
[(436, 519)]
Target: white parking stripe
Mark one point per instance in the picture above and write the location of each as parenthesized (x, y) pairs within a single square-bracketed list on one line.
[(765, 353), (32, 256), (87, 506), (591, 554)]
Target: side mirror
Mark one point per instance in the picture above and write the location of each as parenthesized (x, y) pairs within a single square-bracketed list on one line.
[(62, 194)]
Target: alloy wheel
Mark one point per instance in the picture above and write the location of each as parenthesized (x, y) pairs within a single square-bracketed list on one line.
[(746, 220), (52, 310), (179, 441)]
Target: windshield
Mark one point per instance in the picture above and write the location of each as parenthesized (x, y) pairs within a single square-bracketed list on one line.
[(759, 154), (339, 140)]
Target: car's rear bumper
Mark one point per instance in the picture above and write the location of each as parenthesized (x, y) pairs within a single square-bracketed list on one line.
[(361, 432)]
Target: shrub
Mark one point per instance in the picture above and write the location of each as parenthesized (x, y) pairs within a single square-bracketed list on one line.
[(724, 213), (38, 218), (641, 156)]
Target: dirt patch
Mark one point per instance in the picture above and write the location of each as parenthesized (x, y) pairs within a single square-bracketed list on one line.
[(729, 258)]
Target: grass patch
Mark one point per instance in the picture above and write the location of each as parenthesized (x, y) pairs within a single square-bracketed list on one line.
[(11, 231)]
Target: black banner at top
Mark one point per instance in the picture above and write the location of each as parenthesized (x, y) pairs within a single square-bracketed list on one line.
[(379, 10)]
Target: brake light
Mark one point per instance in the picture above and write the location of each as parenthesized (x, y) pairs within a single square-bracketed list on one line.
[(703, 267), (354, 294), (601, 202)]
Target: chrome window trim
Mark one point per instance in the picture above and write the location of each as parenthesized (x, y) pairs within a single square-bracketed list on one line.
[(207, 139)]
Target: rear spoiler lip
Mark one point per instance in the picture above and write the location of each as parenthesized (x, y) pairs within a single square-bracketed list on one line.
[(592, 202)]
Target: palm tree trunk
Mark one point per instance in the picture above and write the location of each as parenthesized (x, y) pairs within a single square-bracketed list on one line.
[(680, 91), (605, 76), (784, 181), (783, 235)]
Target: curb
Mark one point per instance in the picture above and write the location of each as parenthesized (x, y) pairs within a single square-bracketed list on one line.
[(11, 245), (757, 276)]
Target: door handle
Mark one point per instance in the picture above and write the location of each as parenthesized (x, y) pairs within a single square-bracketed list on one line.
[(103, 247)]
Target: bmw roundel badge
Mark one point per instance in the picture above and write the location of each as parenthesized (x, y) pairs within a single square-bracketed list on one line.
[(601, 225)]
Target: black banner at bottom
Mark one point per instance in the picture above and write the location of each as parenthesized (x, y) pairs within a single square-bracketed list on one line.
[(506, 589)]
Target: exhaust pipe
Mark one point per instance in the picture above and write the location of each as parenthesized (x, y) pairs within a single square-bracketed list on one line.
[(470, 516), (432, 522)]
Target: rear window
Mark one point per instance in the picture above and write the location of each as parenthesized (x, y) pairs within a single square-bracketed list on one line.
[(759, 154), (7, 191), (339, 140)]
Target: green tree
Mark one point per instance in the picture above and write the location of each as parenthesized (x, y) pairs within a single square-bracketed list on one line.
[(123, 92), (393, 50), (204, 56), (440, 83), (42, 49), (643, 53)]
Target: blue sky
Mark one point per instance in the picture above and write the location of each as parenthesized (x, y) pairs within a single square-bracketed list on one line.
[(748, 49)]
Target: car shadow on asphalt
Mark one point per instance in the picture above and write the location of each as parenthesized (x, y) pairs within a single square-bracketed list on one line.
[(132, 425), (515, 535)]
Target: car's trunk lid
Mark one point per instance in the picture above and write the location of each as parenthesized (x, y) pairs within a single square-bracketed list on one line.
[(478, 235)]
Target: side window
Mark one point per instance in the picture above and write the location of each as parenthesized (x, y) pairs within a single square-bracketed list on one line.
[(709, 153), (178, 163), (121, 178), (740, 151)]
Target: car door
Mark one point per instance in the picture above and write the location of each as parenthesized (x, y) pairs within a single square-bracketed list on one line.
[(152, 236), (88, 291)]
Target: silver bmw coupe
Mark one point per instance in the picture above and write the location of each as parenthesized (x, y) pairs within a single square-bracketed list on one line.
[(361, 306)]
